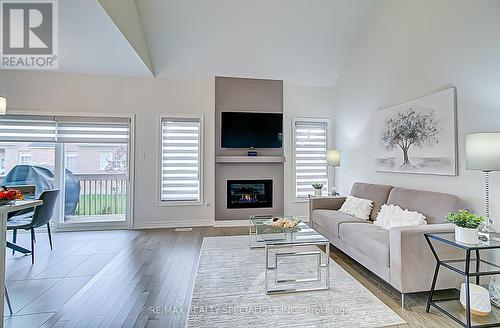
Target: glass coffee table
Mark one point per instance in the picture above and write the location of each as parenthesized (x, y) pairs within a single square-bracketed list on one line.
[(290, 254)]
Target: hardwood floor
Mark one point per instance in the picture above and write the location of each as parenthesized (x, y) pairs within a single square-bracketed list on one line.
[(141, 279)]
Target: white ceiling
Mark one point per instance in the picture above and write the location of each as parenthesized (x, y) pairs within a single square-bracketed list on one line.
[(89, 42), (300, 41)]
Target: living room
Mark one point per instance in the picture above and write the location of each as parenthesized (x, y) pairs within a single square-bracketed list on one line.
[(161, 124)]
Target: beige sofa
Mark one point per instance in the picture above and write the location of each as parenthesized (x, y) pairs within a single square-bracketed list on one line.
[(400, 256)]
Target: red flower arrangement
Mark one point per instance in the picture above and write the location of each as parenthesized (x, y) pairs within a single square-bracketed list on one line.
[(9, 195)]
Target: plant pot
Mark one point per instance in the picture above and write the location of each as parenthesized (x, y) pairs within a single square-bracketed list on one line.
[(317, 192), (466, 235)]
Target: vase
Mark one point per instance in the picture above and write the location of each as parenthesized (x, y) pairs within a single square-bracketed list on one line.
[(466, 235), (317, 192)]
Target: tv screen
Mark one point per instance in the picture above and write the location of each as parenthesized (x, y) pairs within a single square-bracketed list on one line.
[(245, 130)]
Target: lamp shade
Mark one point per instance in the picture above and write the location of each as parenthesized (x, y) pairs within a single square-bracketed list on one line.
[(482, 151), (333, 157), (3, 105)]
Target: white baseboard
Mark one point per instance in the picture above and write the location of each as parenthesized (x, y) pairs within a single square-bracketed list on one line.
[(231, 223), (174, 224), (191, 224)]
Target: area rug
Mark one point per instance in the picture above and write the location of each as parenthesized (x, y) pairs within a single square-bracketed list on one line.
[(229, 291)]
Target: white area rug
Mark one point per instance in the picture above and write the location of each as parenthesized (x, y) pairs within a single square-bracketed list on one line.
[(229, 292)]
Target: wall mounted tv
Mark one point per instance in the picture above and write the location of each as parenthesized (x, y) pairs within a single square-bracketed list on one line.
[(245, 130)]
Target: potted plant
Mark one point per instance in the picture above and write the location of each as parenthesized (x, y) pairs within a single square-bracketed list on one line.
[(466, 226), (317, 189)]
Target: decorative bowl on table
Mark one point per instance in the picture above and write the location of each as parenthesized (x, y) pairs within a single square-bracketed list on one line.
[(479, 299), (9, 196), (282, 222)]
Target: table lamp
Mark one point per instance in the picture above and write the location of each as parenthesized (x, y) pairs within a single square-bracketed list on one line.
[(333, 160), (482, 152)]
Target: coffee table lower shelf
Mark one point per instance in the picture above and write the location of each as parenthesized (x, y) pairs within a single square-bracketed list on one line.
[(321, 277)]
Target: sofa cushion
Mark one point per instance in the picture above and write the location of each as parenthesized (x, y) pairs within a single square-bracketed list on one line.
[(357, 207), (434, 205), (368, 239), (331, 220), (374, 192)]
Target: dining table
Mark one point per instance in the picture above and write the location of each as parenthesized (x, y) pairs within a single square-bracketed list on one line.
[(5, 210)]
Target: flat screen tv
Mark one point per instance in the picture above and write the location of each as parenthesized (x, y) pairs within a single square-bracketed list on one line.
[(245, 130)]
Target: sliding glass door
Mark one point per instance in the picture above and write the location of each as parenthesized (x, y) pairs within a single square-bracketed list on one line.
[(96, 183), (87, 158)]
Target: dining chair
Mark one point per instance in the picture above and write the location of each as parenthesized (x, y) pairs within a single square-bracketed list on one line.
[(40, 217)]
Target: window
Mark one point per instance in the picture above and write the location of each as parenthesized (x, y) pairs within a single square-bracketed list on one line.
[(71, 161), (25, 158), (311, 145), (180, 160), (59, 144)]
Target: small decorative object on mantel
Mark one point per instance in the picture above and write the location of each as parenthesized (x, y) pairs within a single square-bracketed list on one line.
[(252, 152), (479, 299), (466, 226), (318, 186), (8, 196)]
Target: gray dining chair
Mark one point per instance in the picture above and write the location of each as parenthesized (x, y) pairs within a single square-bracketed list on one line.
[(40, 217)]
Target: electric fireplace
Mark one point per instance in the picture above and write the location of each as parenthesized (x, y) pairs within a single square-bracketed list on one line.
[(249, 193)]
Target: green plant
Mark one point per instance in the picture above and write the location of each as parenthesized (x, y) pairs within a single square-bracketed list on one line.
[(317, 185), (465, 219)]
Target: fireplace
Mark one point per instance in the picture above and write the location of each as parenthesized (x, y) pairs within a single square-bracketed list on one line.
[(249, 193)]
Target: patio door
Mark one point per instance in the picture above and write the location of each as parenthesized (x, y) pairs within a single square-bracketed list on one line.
[(87, 158), (95, 156)]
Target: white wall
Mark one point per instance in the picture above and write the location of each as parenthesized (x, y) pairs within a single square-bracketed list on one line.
[(148, 98), (302, 102), (409, 49)]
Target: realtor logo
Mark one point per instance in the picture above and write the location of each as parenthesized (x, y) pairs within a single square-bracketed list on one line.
[(29, 34)]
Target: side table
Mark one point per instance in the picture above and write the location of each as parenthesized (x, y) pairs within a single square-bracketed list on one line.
[(469, 267)]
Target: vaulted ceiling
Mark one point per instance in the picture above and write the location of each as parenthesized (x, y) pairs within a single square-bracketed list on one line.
[(303, 42)]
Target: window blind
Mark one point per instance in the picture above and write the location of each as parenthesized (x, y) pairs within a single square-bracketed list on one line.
[(62, 129), (92, 130), (27, 128), (181, 156), (310, 157)]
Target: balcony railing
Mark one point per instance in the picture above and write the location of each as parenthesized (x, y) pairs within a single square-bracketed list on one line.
[(101, 194)]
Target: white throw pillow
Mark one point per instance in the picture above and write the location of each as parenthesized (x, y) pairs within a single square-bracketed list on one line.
[(391, 216), (357, 207)]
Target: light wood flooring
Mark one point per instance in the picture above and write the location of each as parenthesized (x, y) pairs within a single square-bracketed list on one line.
[(140, 279)]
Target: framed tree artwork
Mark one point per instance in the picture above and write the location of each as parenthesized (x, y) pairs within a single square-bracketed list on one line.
[(418, 136)]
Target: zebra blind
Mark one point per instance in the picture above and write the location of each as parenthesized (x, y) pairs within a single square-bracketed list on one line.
[(310, 157), (23, 128), (93, 130), (181, 160), (27, 128)]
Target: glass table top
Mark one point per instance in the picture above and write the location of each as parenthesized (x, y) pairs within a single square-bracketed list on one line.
[(271, 235), (449, 238)]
